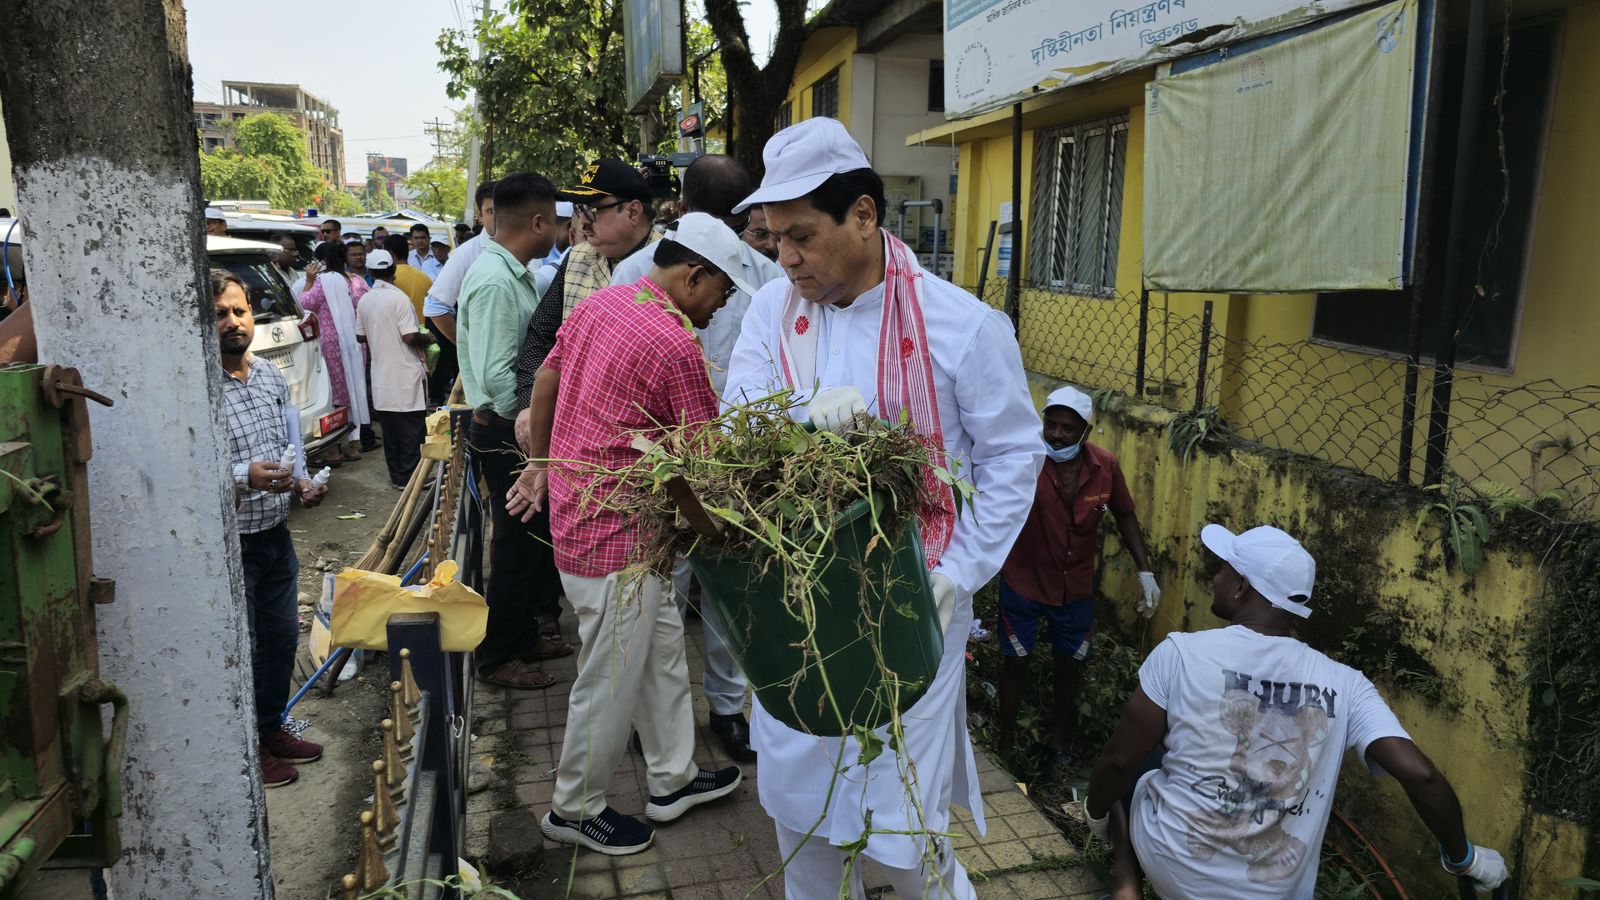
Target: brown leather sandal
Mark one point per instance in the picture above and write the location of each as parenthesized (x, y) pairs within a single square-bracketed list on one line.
[(519, 676)]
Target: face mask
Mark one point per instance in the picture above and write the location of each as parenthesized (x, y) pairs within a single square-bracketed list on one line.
[(1065, 454)]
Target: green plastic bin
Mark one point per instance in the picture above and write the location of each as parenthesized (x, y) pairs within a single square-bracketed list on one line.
[(863, 598)]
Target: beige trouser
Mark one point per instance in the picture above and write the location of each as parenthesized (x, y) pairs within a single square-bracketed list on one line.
[(816, 872), (632, 675)]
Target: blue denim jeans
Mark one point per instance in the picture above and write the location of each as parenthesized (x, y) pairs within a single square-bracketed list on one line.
[(271, 589)]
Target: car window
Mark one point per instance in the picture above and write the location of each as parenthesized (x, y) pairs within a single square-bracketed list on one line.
[(269, 296)]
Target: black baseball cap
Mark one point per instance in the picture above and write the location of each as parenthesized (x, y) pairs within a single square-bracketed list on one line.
[(608, 178)]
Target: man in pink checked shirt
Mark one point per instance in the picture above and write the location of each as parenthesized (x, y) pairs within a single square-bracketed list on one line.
[(620, 367)]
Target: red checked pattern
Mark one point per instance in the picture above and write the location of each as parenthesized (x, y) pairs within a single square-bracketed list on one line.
[(625, 367)]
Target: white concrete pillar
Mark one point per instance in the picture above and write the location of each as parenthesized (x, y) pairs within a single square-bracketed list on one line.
[(97, 108), (863, 100)]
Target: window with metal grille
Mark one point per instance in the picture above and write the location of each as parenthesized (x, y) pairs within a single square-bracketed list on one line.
[(1077, 206), (785, 115), (825, 96)]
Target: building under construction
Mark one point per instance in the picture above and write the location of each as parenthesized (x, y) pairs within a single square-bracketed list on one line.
[(314, 116)]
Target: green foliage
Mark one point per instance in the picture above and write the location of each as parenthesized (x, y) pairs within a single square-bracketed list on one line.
[(267, 162), (340, 203), (440, 189), (1190, 430), (375, 196), (549, 83), (1564, 673), (1465, 512)]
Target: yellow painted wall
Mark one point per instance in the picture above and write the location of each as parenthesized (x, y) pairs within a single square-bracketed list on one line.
[(1375, 572), (1276, 387), (825, 49)]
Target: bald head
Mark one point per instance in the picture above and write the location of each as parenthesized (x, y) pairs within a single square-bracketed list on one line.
[(714, 184)]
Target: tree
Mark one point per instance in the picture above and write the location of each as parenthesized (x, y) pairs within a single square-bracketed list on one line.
[(376, 197), (440, 189), (268, 161), (550, 83), (758, 91), (339, 202)]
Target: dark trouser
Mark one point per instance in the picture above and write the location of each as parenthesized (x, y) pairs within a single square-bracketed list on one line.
[(403, 433), (523, 581), (443, 376), (271, 588)]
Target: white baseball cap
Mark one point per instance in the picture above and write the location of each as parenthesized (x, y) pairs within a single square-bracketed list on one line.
[(706, 235), (563, 209), (801, 157), (380, 259), (213, 213), (1072, 399), (1273, 562)]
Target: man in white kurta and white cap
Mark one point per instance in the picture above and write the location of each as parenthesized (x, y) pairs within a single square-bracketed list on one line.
[(861, 332)]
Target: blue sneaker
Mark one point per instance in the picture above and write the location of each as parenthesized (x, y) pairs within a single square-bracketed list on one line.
[(705, 787), (611, 832)]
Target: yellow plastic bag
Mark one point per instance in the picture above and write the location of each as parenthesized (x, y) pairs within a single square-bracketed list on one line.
[(438, 441), (363, 602)]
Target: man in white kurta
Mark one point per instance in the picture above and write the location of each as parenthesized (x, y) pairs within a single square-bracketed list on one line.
[(822, 331)]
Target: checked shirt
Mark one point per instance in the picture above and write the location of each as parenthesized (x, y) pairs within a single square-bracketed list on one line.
[(626, 367)]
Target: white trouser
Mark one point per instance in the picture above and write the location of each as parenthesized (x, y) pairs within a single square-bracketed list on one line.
[(632, 672), (722, 683), (817, 871)]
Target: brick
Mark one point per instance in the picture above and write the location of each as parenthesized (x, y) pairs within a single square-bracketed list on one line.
[(1009, 855), (1031, 824), (1008, 804), (516, 845), (593, 886), (1033, 885), (636, 880), (998, 832), (534, 794), (1050, 845)]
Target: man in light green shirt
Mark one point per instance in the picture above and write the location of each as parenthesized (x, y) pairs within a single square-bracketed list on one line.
[(497, 299)]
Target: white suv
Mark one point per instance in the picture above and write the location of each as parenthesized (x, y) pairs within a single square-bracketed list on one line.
[(286, 336)]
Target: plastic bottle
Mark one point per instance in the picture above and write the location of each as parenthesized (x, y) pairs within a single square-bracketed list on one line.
[(289, 457), (321, 478)]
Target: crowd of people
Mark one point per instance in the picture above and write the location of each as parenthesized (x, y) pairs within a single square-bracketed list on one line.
[(579, 319)]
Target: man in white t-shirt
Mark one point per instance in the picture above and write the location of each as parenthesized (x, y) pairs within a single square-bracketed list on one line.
[(1251, 726), (386, 321)]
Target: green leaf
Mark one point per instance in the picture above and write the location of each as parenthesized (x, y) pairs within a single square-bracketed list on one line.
[(728, 515), (1479, 521), (871, 744), (1548, 698)]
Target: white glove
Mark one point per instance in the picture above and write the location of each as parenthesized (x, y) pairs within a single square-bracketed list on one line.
[(944, 597), (835, 408), (1101, 827), (1484, 866), (1151, 595)]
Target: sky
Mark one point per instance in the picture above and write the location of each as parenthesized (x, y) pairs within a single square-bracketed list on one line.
[(380, 71)]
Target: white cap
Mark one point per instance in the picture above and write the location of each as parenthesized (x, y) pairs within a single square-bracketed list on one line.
[(563, 209), (706, 235), (213, 213), (801, 157), (1072, 399), (380, 259), (1273, 562)]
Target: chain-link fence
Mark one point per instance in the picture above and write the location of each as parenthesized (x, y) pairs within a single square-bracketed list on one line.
[(1344, 406)]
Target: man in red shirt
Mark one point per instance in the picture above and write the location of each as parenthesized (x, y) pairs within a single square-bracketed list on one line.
[(626, 363), (1049, 573)]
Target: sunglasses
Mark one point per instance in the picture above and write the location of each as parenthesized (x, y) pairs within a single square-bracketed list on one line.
[(590, 212)]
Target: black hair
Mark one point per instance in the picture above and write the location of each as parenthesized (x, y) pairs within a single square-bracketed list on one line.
[(715, 184), (419, 227), (484, 192), (332, 255), (840, 192), (397, 247), (337, 225), (377, 228), (517, 195), (221, 279), (670, 253), (282, 236)]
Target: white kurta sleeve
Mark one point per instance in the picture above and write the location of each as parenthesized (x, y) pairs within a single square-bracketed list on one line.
[(1007, 452), (753, 371)]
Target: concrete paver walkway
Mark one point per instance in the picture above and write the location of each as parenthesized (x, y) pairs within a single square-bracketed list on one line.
[(725, 849)]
